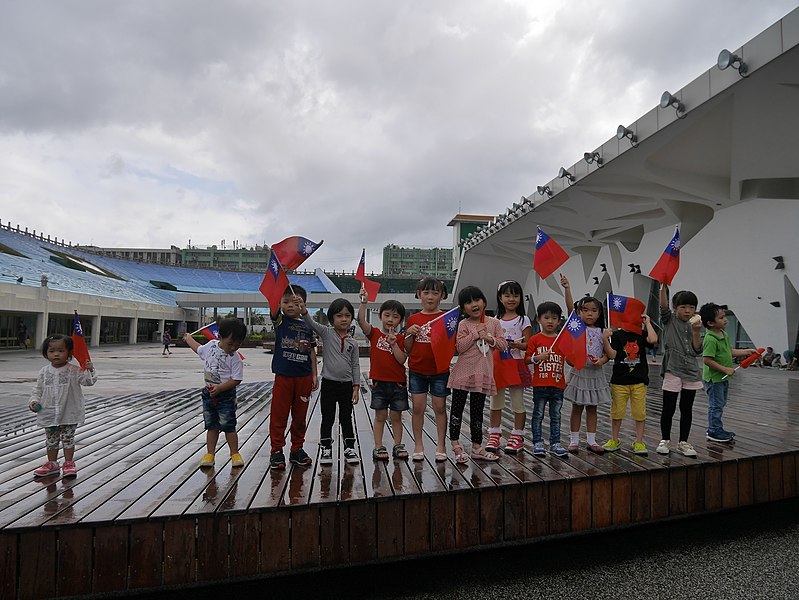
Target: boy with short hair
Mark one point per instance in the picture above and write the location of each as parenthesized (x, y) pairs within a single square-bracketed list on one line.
[(629, 380), (548, 380), (387, 374), (294, 366), (718, 355), (223, 371)]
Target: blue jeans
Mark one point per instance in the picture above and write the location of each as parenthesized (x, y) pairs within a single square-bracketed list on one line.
[(716, 401), (542, 395)]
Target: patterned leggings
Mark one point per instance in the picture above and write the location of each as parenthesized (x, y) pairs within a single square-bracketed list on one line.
[(65, 434), (476, 404)]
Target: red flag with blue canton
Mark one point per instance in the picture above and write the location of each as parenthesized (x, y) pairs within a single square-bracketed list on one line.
[(625, 313), (293, 251), (571, 342), (371, 287), (274, 284), (442, 338), (210, 331), (549, 256), (666, 267), (510, 371), (79, 349)]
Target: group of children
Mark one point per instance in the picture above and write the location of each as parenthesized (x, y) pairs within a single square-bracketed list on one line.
[(58, 400)]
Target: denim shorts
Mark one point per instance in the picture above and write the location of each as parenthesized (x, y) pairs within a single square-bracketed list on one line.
[(220, 413), (435, 384), (389, 394)]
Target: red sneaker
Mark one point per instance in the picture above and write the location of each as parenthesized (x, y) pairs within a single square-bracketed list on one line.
[(70, 468), (515, 444), (48, 468), (493, 442)]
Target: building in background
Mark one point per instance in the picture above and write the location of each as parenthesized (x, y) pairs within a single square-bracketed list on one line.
[(436, 262), (462, 227)]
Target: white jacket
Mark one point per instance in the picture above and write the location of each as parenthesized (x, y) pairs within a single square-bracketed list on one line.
[(59, 393)]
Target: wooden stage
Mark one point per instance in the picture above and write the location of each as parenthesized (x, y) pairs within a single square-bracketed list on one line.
[(141, 515)]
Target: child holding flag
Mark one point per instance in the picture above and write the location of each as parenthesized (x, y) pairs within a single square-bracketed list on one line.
[(425, 375), (473, 373), (587, 387), (627, 348), (510, 371), (58, 402)]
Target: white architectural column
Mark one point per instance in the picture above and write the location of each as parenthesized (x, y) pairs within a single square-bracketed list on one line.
[(134, 329), (40, 334), (95, 339)]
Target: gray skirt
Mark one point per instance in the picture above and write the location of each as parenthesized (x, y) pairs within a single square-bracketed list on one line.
[(587, 387)]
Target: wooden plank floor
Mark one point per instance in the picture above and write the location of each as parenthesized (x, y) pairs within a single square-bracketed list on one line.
[(147, 516)]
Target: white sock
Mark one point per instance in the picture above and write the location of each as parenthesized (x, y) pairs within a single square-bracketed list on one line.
[(590, 438), (574, 437), (495, 430), (518, 432)]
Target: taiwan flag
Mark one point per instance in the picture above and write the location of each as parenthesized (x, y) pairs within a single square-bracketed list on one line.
[(571, 342), (510, 371), (293, 251), (211, 332), (79, 349), (666, 268), (371, 287), (549, 256), (274, 284), (442, 338), (625, 313)]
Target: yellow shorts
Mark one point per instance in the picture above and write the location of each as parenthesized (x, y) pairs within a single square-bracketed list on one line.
[(516, 399), (619, 394)]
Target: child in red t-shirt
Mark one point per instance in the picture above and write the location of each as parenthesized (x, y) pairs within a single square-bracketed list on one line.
[(548, 382), (424, 376), (387, 373)]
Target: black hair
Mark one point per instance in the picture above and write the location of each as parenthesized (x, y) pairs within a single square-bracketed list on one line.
[(549, 307), (337, 306), (510, 287), (578, 306), (709, 312), (469, 294), (232, 327), (296, 290), (54, 338), (393, 305), (431, 283), (684, 298)]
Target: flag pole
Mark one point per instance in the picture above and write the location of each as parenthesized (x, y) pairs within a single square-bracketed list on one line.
[(607, 303), (560, 333)]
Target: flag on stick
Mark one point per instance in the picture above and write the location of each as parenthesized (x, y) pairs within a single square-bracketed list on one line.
[(211, 332), (625, 313), (371, 287), (549, 256), (79, 349), (293, 251), (571, 343), (442, 338), (666, 267), (274, 284)]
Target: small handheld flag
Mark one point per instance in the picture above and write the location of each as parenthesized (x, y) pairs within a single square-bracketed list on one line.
[(571, 342), (293, 251), (371, 287), (274, 283), (625, 313), (79, 349), (666, 267), (748, 361), (549, 256), (442, 338), (211, 332)]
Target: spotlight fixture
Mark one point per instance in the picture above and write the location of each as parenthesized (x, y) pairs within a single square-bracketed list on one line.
[(622, 132), (667, 100), (728, 59), (593, 157), (564, 173), (780, 262), (544, 190)]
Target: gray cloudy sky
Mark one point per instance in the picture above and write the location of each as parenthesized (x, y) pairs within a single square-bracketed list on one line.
[(360, 122)]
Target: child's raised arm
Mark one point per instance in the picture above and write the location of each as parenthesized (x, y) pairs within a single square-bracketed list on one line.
[(362, 322), (567, 292), (651, 335), (664, 301), (192, 343)]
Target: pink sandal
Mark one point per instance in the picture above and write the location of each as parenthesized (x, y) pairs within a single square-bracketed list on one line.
[(460, 454), (483, 454), (596, 448)]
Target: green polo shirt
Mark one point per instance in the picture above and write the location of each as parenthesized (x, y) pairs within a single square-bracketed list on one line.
[(718, 348)]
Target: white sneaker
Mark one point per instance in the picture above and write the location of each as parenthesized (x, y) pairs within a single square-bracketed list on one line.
[(351, 456), (686, 449), (663, 447)]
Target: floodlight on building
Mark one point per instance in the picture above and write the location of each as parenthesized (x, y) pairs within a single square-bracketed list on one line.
[(728, 59), (544, 190), (564, 173), (667, 100), (593, 157), (622, 132)]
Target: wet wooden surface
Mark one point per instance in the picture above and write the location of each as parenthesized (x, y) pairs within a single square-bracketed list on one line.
[(149, 517)]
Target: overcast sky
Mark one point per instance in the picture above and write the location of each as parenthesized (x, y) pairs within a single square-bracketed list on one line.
[(362, 123)]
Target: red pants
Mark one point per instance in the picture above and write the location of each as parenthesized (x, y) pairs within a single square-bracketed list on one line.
[(289, 395)]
